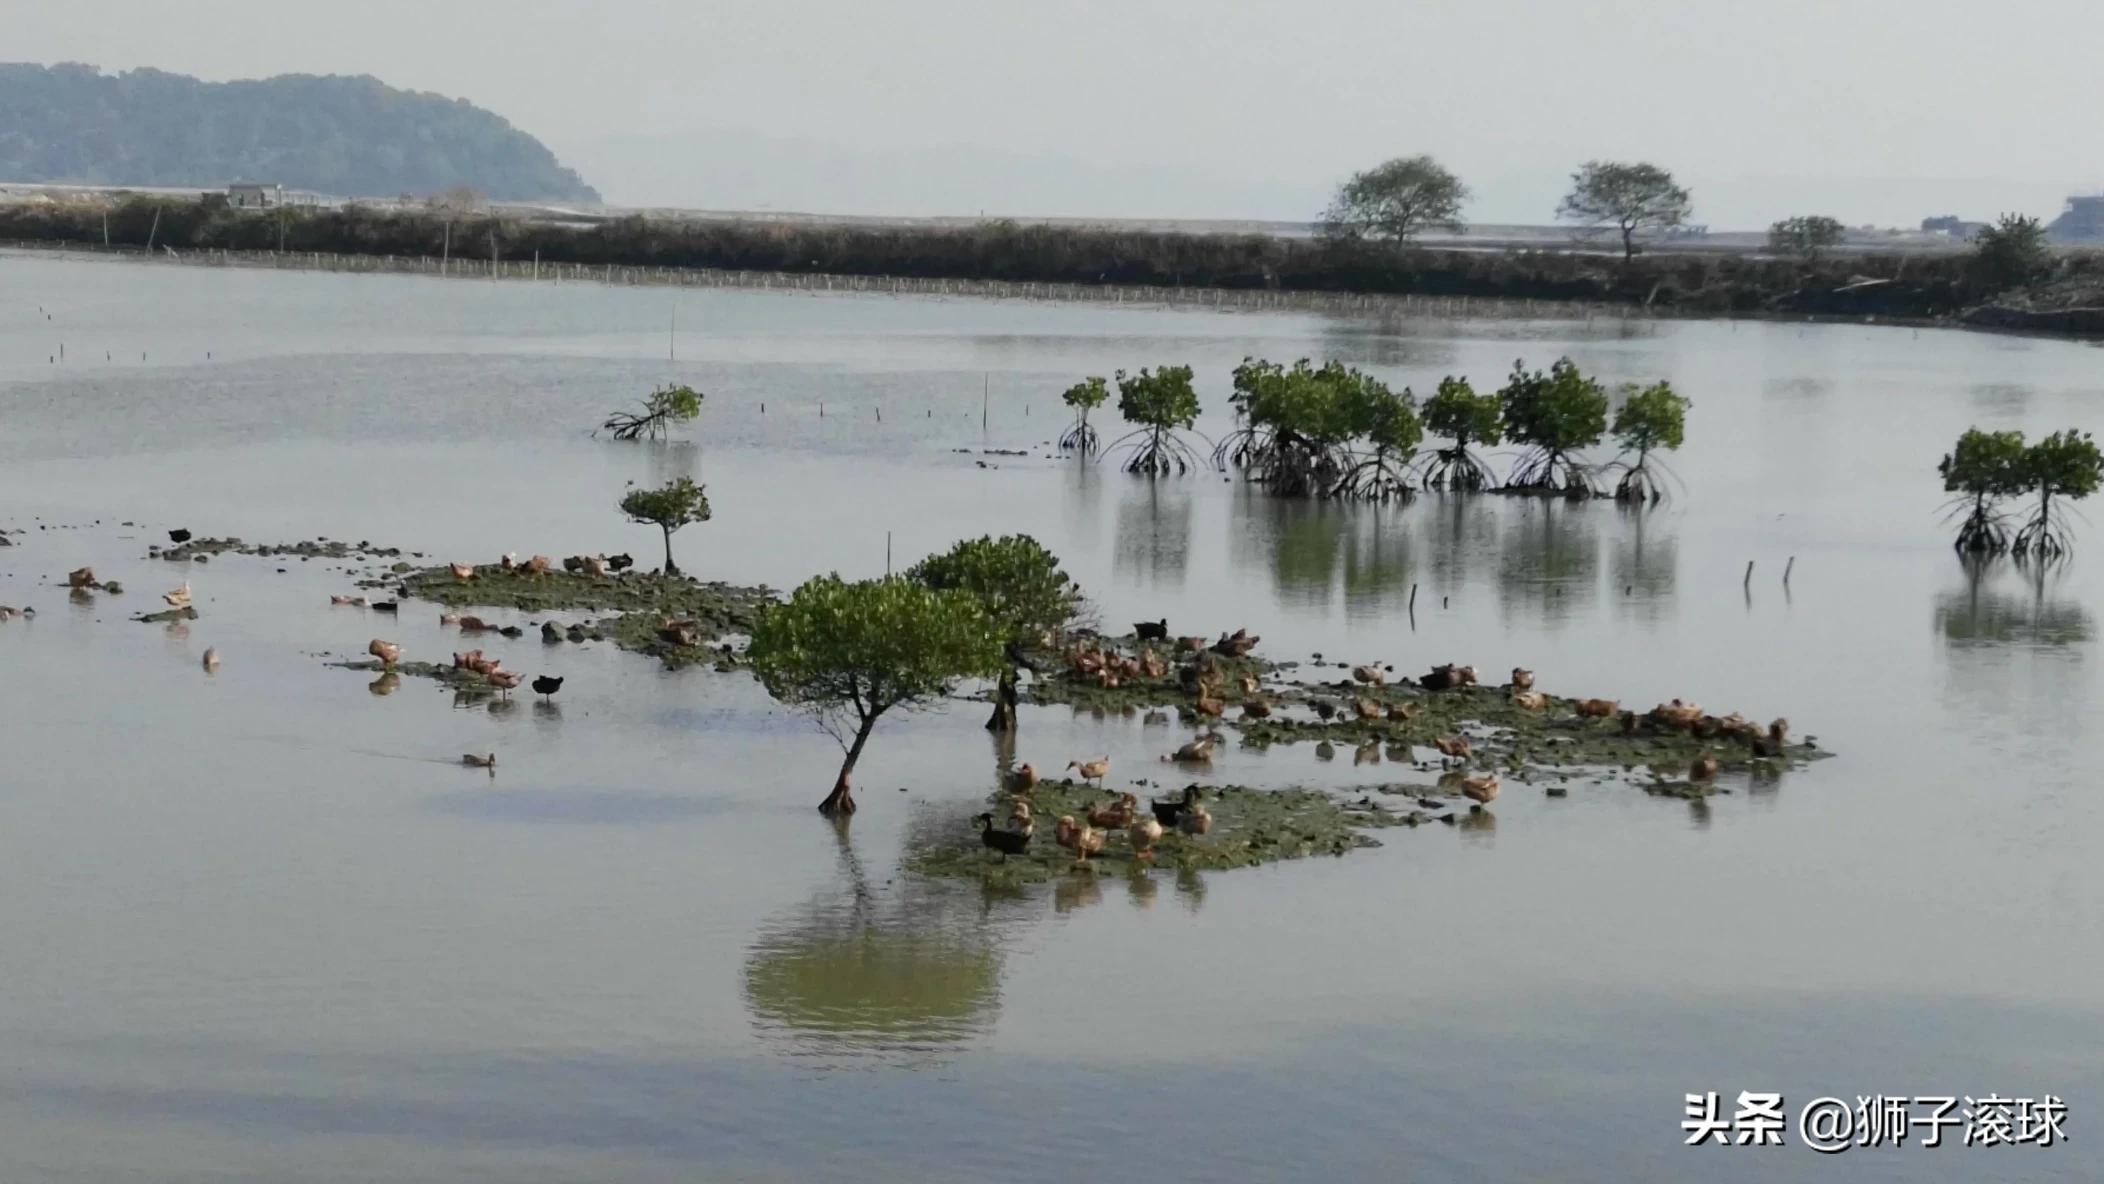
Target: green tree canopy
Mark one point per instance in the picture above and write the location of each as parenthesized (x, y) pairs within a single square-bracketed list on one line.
[(1162, 398), (1632, 199), (1086, 395), (1467, 418), (1984, 464), (1651, 417), (679, 504), (1019, 584), (1553, 414), (1807, 236), (1387, 421), (1981, 470), (1024, 592), (846, 653), (1458, 413), (2010, 253), (1396, 201), (660, 410), (2063, 466), (1158, 402)]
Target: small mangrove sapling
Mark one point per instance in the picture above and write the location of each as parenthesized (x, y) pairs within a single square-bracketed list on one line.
[(847, 653), (660, 410), (1084, 397), (678, 504), (1461, 415), (1023, 591), (1982, 470), (1650, 418), (1553, 415), (1389, 425), (1158, 402), (2065, 466)]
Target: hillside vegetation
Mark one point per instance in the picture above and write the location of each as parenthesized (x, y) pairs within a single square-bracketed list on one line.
[(334, 134)]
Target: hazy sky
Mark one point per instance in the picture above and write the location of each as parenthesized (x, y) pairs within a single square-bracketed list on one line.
[(1878, 111)]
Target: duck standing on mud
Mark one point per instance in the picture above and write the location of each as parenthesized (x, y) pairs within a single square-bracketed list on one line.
[(1080, 838), (1011, 841), (1095, 770)]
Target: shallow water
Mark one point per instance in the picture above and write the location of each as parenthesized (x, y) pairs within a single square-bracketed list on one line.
[(261, 925)]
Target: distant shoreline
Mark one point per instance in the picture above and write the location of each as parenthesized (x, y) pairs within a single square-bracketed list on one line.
[(1009, 260)]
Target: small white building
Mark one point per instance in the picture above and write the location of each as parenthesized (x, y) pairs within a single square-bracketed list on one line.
[(255, 197)]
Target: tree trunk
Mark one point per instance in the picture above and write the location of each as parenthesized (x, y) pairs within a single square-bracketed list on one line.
[(1003, 718), (842, 799), (1628, 243), (671, 568)]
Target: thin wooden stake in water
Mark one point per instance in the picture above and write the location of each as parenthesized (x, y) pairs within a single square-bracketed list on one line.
[(1748, 581), (672, 337), (986, 385), (1787, 568)]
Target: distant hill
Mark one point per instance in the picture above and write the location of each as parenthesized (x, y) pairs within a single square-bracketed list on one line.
[(356, 137)]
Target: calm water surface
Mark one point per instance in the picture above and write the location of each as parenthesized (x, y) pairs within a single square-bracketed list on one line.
[(260, 927)]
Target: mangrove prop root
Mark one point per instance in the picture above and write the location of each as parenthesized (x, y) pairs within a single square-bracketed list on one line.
[(1638, 485), (1374, 479), (1081, 438), (1457, 470), (1551, 471), (1154, 452)]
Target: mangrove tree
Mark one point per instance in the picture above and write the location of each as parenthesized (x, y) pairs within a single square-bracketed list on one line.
[(847, 653), (1159, 403), (1023, 591)]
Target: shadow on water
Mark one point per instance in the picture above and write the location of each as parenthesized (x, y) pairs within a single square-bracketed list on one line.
[(851, 975), (1154, 535), (1646, 565), (1083, 504), (666, 461), (1460, 533), (2002, 399), (2008, 604), (2014, 647), (1377, 568), (1300, 541), (1313, 548), (1549, 565)]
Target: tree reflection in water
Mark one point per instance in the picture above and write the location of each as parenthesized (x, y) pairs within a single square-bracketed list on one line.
[(1646, 564), (911, 974), (2002, 603), (1460, 532), (2014, 647), (1315, 548), (1550, 562), (1154, 535)]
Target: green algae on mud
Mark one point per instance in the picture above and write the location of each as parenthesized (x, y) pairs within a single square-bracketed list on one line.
[(1250, 827), (1503, 734), (167, 616), (459, 678), (196, 550), (672, 618)]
